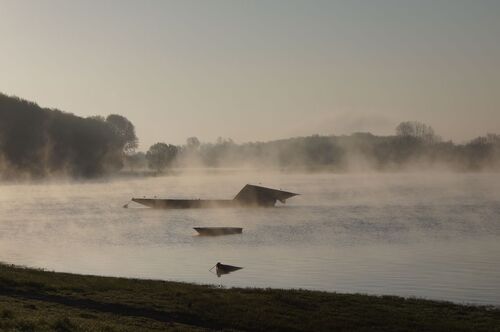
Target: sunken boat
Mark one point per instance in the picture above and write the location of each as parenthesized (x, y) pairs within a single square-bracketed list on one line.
[(222, 269), (249, 196)]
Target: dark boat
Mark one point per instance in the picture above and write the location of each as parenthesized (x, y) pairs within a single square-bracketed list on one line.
[(225, 269), (249, 196), (213, 231)]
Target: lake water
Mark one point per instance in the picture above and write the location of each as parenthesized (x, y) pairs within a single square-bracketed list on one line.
[(433, 235)]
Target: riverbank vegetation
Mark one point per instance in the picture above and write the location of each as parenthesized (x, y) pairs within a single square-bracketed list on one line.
[(38, 142), (414, 147), (35, 300)]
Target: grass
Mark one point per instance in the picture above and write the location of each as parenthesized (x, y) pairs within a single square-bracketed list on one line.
[(36, 300)]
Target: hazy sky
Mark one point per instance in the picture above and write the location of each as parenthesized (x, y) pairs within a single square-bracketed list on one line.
[(259, 70)]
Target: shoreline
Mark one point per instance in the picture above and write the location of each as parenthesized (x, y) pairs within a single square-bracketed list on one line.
[(33, 299)]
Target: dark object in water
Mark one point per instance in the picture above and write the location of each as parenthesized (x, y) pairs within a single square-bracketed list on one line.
[(224, 269), (249, 196), (218, 230)]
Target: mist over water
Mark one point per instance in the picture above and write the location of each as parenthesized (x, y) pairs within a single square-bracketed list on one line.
[(432, 235)]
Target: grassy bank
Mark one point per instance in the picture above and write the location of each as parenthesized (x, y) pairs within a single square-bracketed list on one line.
[(34, 300)]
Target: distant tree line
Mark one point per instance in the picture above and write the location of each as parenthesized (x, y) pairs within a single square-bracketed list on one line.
[(414, 146), (36, 142)]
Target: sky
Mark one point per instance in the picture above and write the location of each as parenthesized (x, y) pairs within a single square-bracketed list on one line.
[(259, 70)]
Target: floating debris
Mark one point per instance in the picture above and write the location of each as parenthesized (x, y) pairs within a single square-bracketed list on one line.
[(222, 269)]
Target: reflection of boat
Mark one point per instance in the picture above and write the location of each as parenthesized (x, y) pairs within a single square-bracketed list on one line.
[(225, 269), (249, 196), (218, 230)]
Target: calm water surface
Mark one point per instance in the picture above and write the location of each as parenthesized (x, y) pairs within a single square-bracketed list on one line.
[(434, 236)]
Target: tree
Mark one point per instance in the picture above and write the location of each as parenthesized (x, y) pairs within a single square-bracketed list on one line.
[(125, 130), (36, 142), (224, 141), (160, 155), (192, 143), (135, 160), (417, 130)]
